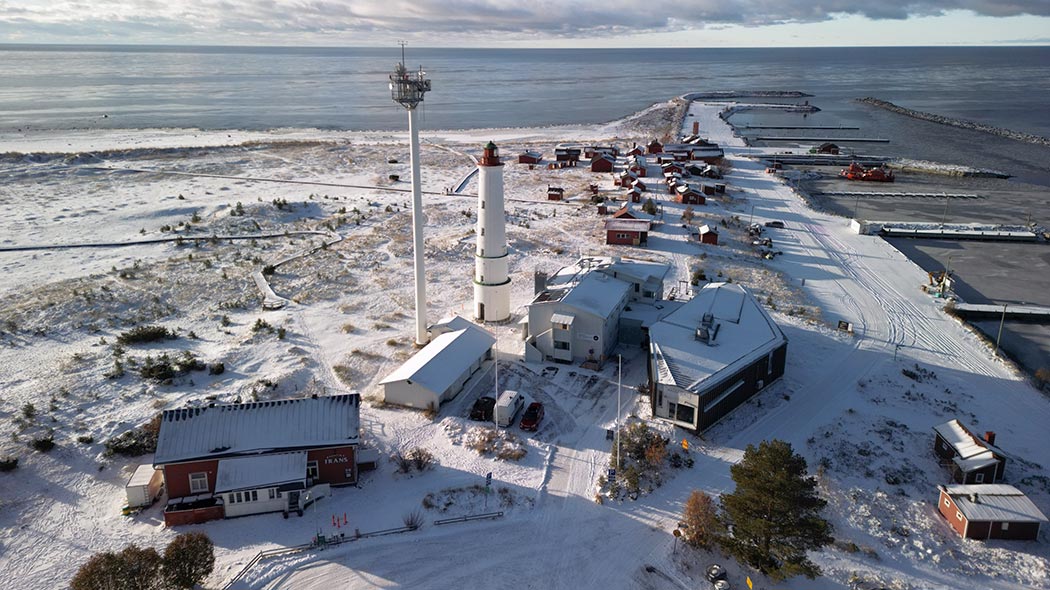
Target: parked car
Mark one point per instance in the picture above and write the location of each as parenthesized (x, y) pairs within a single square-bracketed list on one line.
[(721, 585), (532, 417), (715, 573), (776, 224), (483, 409)]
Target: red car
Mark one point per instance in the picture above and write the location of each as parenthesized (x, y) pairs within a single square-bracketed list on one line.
[(533, 416)]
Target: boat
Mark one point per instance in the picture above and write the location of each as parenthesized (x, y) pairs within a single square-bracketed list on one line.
[(858, 172)]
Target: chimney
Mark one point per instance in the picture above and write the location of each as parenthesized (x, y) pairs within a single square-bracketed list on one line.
[(696, 127), (973, 498), (989, 437)]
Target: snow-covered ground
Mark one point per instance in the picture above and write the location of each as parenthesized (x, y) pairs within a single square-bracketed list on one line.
[(844, 401)]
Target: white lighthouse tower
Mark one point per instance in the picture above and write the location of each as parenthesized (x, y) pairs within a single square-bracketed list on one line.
[(491, 283)]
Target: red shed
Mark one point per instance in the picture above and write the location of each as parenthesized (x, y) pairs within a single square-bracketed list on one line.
[(654, 147), (567, 154), (530, 157), (627, 232), (672, 168), (990, 511), (240, 459), (602, 163), (639, 185), (555, 193), (635, 150), (625, 178), (708, 235), (634, 195), (686, 195), (971, 459)]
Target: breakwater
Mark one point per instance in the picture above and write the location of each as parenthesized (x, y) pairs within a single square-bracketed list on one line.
[(961, 123)]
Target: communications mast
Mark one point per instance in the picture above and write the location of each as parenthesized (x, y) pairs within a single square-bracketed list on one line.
[(407, 89)]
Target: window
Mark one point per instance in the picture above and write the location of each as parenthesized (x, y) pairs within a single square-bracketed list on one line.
[(232, 498), (947, 502), (198, 483), (979, 478), (240, 498), (637, 287), (685, 413), (671, 409), (311, 470), (482, 231), (958, 515), (255, 495), (483, 204), (273, 493), (561, 345), (1005, 527)]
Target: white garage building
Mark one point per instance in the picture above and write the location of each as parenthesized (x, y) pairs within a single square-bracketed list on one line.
[(437, 373)]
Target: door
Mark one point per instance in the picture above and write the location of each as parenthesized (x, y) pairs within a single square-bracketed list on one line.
[(293, 500), (481, 311)]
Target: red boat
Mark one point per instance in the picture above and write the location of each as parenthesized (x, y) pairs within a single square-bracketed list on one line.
[(858, 172)]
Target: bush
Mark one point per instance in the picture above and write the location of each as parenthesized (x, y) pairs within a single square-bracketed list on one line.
[(188, 560), (159, 370), (43, 444), (1043, 376), (269, 270), (649, 206), (260, 325), (697, 276), (28, 411), (413, 520), (85, 439), (135, 442), (216, 369), (143, 334), (131, 569), (403, 463), (421, 458), (702, 528), (8, 464)]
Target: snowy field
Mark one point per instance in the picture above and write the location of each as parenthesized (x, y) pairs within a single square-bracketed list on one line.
[(844, 402)]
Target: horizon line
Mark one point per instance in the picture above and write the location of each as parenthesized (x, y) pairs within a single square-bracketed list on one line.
[(1018, 44)]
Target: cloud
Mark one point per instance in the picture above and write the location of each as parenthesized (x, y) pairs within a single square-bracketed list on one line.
[(457, 18)]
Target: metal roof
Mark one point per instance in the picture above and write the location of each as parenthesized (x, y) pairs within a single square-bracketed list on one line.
[(261, 471), (994, 502), (218, 431), (439, 364)]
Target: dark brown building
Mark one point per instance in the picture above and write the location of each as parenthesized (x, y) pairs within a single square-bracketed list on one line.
[(972, 460)]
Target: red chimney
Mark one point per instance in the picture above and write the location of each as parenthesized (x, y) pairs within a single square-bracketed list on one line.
[(696, 127), (989, 437)]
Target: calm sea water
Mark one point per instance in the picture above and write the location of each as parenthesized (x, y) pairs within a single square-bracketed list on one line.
[(76, 87)]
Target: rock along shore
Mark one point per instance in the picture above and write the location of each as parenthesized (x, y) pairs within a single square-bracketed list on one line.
[(961, 123)]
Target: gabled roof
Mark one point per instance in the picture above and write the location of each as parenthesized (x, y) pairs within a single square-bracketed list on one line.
[(625, 224), (439, 364), (994, 503), (531, 153), (745, 333), (708, 229), (972, 453), (218, 431)]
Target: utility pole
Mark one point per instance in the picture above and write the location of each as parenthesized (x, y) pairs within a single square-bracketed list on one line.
[(856, 205), (944, 216), (619, 380), (999, 337), (751, 219)]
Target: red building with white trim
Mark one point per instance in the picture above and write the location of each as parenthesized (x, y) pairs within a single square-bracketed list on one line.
[(627, 232), (221, 461), (990, 511)]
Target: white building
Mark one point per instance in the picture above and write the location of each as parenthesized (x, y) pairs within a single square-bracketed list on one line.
[(438, 372), (576, 317), (712, 354), (491, 279)]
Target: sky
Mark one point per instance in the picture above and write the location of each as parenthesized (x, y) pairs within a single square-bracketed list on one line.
[(529, 23)]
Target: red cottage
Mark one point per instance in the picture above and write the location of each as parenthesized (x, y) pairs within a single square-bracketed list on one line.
[(602, 163), (530, 157), (970, 459), (655, 147), (991, 511), (627, 232), (555, 193), (708, 235), (686, 195), (634, 195), (221, 461)]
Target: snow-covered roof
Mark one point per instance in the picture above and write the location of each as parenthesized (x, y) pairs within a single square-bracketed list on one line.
[(531, 153), (218, 431), (439, 364), (142, 476), (994, 502), (707, 229), (563, 318), (744, 333), (261, 471), (450, 324), (624, 224), (597, 293), (965, 443)]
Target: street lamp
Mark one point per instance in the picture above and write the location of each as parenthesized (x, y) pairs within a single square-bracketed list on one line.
[(944, 216), (999, 337)]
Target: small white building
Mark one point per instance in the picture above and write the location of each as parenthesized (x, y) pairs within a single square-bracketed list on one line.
[(712, 354), (437, 373)]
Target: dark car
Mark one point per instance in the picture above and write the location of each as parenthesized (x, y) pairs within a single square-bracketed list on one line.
[(776, 224), (483, 409), (533, 416)]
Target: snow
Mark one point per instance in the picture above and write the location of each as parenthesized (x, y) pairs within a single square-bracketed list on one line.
[(226, 430), (597, 293), (843, 402), (994, 502), (972, 453)]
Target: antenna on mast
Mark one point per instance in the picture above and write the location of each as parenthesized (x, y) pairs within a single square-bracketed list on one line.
[(402, 44)]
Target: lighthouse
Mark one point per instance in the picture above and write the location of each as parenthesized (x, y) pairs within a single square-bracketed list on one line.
[(491, 283)]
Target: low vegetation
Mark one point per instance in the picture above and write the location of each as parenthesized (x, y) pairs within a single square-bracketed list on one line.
[(146, 334), (504, 445), (187, 561), (136, 442)]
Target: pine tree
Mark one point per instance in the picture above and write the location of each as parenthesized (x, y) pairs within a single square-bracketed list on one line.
[(188, 559), (774, 513), (702, 526)]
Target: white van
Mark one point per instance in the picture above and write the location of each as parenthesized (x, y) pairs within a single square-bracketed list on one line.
[(507, 407)]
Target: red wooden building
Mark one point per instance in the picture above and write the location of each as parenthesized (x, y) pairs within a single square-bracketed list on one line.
[(602, 163), (625, 178), (654, 147), (221, 461), (687, 195), (627, 232), (972, 460), (636, 150), (555, 193), (567, 154), (530, 157), (991, 511), (634, 195), (708, 235), (638, 184), (672, 168)]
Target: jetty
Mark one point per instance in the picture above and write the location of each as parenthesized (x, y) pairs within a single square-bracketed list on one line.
[(988, 311), (815, 127), (891, 195), (976, 232), (824, 159), (821, 139)]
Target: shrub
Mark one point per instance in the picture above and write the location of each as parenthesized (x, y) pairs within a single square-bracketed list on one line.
[(157, 370), (187, 362), (281, 333), (144, 334), (269, 270), (655, 453), (413, 520), (697, 276), (260, 325), (131, 569), (1043, 375), (8, 464), (216, 368), (701, 520), (137, 441), (85, 439), (28, 411), (421, 458), (188, 560), (43, 444), (649, 206), (403, 463)]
